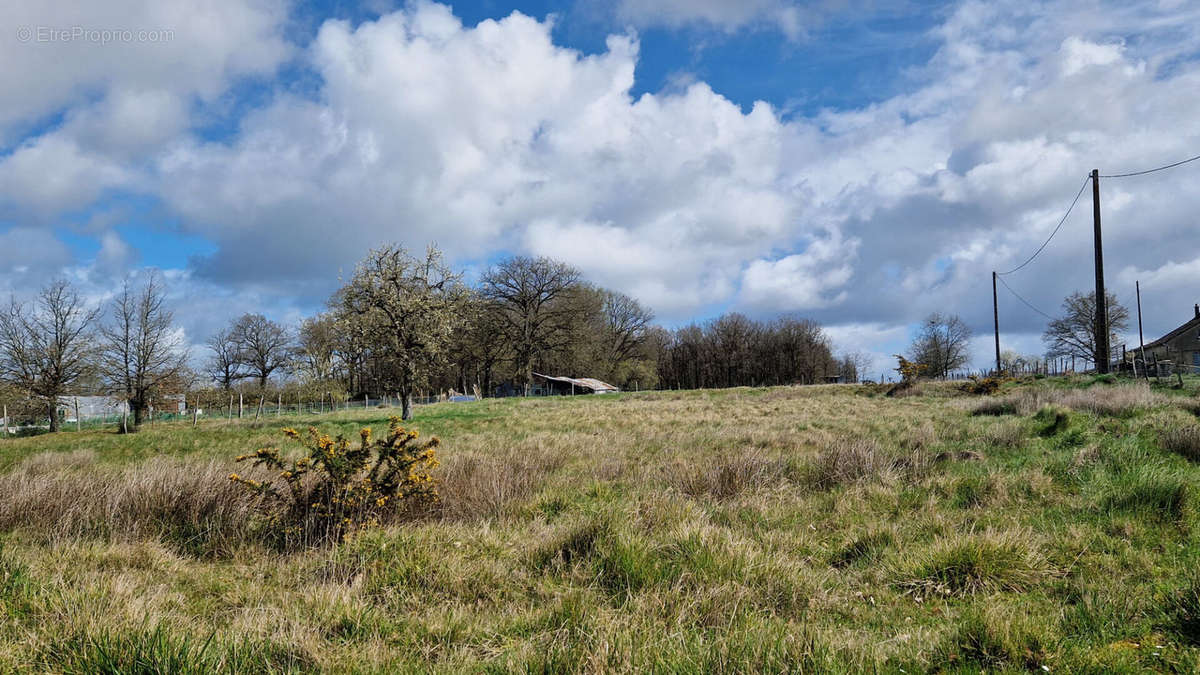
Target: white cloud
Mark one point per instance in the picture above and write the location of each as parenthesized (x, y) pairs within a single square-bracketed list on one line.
[(494, 138), (802, 281), (208, 44), (487, 137), (53, 174)]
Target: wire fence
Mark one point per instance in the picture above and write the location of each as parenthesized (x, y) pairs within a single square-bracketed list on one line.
[(118, 415)]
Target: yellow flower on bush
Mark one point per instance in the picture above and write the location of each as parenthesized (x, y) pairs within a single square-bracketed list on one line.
[(336, 488)]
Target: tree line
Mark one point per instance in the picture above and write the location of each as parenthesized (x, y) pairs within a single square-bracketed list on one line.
[(403, 324)]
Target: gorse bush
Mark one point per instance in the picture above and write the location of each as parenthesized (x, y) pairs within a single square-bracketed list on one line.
[(980, 386), (335, 488)]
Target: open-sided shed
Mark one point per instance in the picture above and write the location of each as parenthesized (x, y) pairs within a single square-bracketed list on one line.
[(575, 385)]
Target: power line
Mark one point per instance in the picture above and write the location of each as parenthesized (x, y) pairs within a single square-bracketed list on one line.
[(1161, 168), (1027, 303), (1056, 229)]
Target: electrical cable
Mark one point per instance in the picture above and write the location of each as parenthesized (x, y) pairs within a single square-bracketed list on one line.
[(1142, 173), (1027, 303), (1056, 229)]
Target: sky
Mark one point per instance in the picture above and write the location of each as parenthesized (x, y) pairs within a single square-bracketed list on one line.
[(860, 162)]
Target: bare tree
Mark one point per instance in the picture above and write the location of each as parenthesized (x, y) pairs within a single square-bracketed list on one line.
[(626, 323), (409, 308), (225, 363), (481, 346), (143, 353), (853, 365), (530, 293), (46, 351), (263, 345), (1073, 333), (316, 350), (941, 345)]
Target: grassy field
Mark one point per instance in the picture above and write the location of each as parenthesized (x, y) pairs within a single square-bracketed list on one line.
[(1052, 526)]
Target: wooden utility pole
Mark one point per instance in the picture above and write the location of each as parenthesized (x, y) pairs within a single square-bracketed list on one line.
[(1137, 284), (996, 321), (1103, 356)]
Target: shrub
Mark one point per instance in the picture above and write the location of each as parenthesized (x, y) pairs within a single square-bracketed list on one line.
[(335, 489), (980, 386)]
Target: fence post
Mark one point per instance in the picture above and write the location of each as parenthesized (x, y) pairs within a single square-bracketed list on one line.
[(6, 419), (241, 405), (231, 407), (78, 424), (279, 406), (195, 412), (258, 410)]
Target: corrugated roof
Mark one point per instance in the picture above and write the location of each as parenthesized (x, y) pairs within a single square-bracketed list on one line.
[(585, 382)]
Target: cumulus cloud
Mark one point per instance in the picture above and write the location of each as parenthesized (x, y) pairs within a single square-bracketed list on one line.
[(495, 138), (485, 137), (55, 58)]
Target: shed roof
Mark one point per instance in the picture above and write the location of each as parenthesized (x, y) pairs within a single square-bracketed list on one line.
[(585, 382)]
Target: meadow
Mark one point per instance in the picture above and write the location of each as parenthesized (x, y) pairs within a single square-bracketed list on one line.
[(1051, 526)]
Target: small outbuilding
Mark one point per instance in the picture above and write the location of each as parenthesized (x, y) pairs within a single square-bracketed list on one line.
[(573, 385), (1180, 347)]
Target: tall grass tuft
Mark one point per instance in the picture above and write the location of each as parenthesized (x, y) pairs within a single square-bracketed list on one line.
[(1183, 441), (1149, 490), (863, 549), (187, 504), (1183, 611), (992, 642), (851, 460), (473, 486), (159, 651), (981, 563), (728, 477)]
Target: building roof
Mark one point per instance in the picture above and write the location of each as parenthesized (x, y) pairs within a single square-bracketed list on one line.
[(585, 382), (1194, 324)]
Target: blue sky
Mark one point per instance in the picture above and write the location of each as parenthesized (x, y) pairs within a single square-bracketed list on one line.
[(861, 162)]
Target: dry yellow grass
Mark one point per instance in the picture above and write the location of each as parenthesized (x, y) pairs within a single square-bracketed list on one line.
[(791, 529)]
